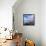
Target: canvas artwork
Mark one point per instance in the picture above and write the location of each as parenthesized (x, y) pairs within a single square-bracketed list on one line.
[(28, 19)]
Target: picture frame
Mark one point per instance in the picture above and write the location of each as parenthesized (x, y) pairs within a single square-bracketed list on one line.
[(28, 19)]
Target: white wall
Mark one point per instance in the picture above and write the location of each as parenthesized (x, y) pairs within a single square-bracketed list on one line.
[(6, 13), (28, 6), (43, 22)]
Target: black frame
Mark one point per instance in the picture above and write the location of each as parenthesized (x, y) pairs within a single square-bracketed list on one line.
[(31, 23)]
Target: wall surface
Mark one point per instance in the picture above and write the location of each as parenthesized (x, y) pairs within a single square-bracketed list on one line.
[(6, 13), (29, 7), (43, 22)]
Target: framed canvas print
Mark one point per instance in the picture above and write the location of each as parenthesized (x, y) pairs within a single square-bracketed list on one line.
[(28, 19)]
